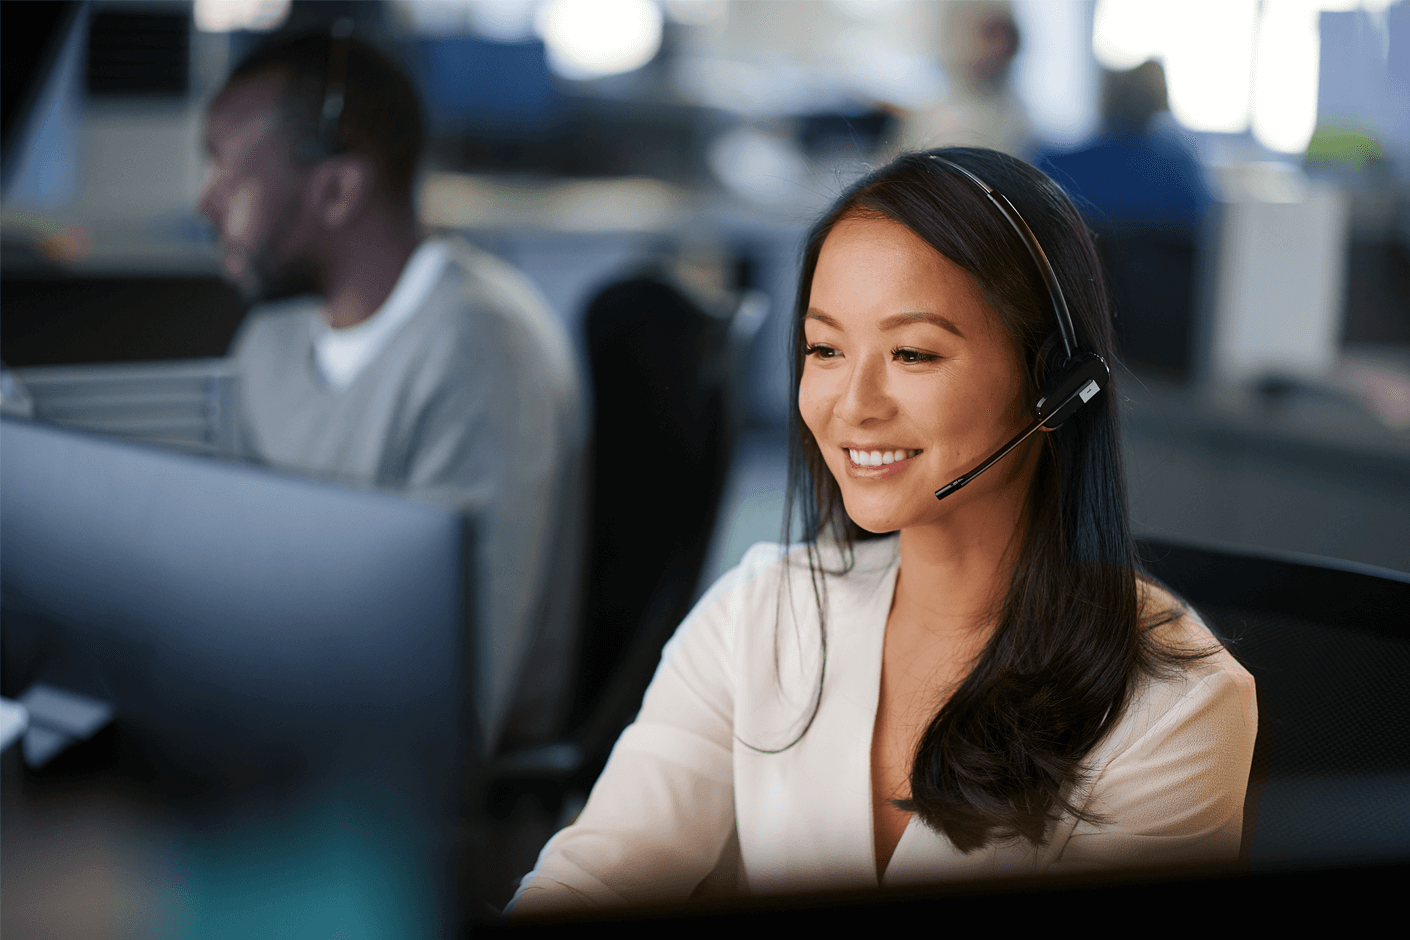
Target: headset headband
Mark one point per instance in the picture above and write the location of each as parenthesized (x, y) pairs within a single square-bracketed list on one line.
[(1015, 220), (334, 87), (1081, 376)]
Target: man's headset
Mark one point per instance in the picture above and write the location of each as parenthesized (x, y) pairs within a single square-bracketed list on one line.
[(1082, 374), (326, 143)]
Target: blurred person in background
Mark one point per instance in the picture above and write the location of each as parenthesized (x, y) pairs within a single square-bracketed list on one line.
[(979, 40), (377, 357), (1134, 171), (1143, 189)]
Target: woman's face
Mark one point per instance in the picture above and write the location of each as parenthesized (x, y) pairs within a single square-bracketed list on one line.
[(910, 379)]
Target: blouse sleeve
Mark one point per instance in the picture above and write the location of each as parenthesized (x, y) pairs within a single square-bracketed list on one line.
[(663, 810), (1171, 790)]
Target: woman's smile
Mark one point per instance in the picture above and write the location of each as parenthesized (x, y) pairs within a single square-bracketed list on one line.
[(879, 462)]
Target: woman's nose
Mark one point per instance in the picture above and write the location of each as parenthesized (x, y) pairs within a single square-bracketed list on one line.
[(866, 396)]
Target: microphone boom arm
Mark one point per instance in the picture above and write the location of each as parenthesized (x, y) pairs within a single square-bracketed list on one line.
[(1085, 391), (1002, 452)]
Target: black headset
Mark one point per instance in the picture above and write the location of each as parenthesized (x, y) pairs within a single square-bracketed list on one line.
[(326, 143), (1082, 374)]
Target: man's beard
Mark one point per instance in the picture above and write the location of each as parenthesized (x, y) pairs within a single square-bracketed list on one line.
[(276, 269), (266, 279)]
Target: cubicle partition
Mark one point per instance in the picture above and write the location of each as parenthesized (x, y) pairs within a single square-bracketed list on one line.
[(186, 403)]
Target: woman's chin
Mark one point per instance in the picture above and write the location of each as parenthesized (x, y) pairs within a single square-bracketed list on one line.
[(878, 530), (881, 521)]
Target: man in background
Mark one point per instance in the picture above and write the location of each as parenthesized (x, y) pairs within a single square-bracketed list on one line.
[(379, 357), (1143, 190), (978, 42), (1138, 170)]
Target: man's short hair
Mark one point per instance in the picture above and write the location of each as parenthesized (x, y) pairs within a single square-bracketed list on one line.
[(381, 111)]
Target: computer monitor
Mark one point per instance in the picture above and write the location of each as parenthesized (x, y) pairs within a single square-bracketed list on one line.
[(243, 624)]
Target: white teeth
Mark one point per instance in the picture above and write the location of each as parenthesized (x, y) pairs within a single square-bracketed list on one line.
[(878, 458)]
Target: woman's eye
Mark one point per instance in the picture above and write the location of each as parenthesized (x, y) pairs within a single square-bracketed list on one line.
[(820, 351), (913, 356)]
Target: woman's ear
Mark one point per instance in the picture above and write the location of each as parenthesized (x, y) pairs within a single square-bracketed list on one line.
[(343, 187)]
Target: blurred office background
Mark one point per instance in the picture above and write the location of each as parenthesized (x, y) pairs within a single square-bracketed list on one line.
[(1256, 229), (1245, 164)]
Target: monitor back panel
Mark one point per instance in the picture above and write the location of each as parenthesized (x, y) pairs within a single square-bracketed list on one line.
[(234, 617)]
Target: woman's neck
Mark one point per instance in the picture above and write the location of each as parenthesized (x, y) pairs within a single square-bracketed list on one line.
[(953, 578), (955, 573)]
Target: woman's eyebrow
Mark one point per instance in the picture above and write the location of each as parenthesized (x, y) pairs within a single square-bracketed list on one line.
[(815, 314), (920, 316)]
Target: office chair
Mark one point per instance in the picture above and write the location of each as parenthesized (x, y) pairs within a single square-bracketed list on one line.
[(1157, 280), (1328, 643), (666, 374)]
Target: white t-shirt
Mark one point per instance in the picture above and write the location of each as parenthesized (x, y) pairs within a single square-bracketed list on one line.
[(342, 354)]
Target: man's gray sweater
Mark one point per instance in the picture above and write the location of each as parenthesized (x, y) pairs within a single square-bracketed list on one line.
[(476, 399)]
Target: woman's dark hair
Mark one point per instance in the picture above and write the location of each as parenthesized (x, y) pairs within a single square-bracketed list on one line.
[(1003, 756)]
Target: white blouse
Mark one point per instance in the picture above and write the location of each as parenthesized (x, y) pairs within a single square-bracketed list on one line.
[(691, 793)]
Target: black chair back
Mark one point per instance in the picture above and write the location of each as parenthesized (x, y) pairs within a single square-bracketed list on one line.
[(663, 442), (1328, 644), (665, 376)]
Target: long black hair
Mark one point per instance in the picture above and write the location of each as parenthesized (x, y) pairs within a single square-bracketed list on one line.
[(1002, 758)]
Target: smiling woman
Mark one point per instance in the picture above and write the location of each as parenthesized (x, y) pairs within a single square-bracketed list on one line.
[(929, 688), (903, 355)]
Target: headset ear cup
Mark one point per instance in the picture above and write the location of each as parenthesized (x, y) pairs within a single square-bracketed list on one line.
[(1049, 364), (1079, 380)]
